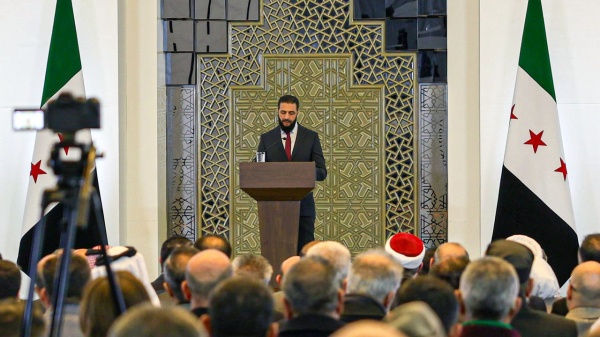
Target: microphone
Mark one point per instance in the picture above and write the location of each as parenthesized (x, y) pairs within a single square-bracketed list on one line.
[(269, 147)]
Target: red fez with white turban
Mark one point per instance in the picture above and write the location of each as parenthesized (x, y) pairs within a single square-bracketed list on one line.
[(407, 248)]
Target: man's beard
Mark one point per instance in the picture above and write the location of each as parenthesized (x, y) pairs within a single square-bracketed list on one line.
[(286, 129)]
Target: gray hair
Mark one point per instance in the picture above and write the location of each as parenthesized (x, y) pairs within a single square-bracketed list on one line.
[(438, 255), (335, 253), (149, 321), (203, 288), (174, 269), (311, 286), (252, 266), (489, 287), (374, 273)]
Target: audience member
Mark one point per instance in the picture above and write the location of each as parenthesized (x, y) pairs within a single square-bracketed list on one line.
[(203, 273), (313, 299), (583, 295), (10, 279), (545, 283), (449, 249), (165, 250), (308, 246), (428, 257), (588, 251), (372, 283), (11, 318), (150, 321), (278, 295), (336, 254), (213, 241), (416, 319), (437, 294), (367, 328), (409, 250), (252, 266), (529, 322), (489, 298), (79, 276), (240, 307), (98, 309), (174, 271), (450, 269)]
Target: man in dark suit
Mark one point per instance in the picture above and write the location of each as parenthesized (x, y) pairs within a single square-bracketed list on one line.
[(291, 141)]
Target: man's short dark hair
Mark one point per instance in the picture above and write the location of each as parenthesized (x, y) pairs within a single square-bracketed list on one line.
[(311, 286), (11, 318), (428, 256), (438, 294), (10, 279), (450, 269), (79, 275), (241, 307), (174, 269), (590, 248), (213, 241), (170, 244), (289, 99)]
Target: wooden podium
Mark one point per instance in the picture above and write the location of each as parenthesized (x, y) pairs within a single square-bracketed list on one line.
[(278, 188)]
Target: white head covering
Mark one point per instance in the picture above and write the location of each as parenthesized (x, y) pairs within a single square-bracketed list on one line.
[(545, 283), (407, 248)]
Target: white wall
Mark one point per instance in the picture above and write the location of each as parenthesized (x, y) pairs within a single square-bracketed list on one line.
[(26, 28), (574, 43)]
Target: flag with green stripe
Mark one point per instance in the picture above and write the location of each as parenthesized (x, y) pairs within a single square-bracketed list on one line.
[(534, 197)]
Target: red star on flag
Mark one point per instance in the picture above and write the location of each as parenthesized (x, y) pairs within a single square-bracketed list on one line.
[(562, 169), (536, 140), (36, 170), (512, 115), (61, 139)]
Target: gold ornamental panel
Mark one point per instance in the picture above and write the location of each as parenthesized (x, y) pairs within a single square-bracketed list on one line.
[(359, 99)]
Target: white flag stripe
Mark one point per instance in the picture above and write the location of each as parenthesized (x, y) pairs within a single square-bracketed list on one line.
[(537, 111), (44, 141)]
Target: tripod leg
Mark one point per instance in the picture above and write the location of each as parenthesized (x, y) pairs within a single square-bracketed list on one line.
[(114, 285), (36, 251), (61, 281)]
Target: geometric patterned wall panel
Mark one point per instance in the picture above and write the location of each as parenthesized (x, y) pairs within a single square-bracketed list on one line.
[(312, 30), (348, 120), (181, 161), (433, 160)]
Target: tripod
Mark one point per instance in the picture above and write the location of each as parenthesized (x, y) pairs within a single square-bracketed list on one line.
[(75, 191)]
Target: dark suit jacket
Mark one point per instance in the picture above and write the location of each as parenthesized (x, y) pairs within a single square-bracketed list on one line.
[(357, 307), (306, 148), (479, 330), (158, 284), (309, 325), (530, 323), (560, 307)]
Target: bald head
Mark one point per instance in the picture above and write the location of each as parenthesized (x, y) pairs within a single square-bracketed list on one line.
[(449, 249), (584, 290), (288, 263), (367, 328), (205, 271)]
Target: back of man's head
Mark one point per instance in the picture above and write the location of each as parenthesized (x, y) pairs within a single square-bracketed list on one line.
[(438, 294), (285, 266), (213, 241), (335, 253), (10, 279), (174, 268), (205, 271), (170, 244), (148, 321), (450, 269), (240, 307), (489, 289), (409, 250), (11, 318), (311, 286), (450, 249), (518, 255), (79, 275), (252, 266), (584, 289), (590, 248), (376, 274)]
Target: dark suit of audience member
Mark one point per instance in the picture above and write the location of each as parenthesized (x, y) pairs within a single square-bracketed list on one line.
[(529, 322), (10, 279), (313, 299), (372, 282)]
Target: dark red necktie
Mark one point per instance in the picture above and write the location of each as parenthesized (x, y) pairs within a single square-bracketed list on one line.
[(288, 146)]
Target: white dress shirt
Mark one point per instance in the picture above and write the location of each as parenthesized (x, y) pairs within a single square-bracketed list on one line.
[(293, 135)]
